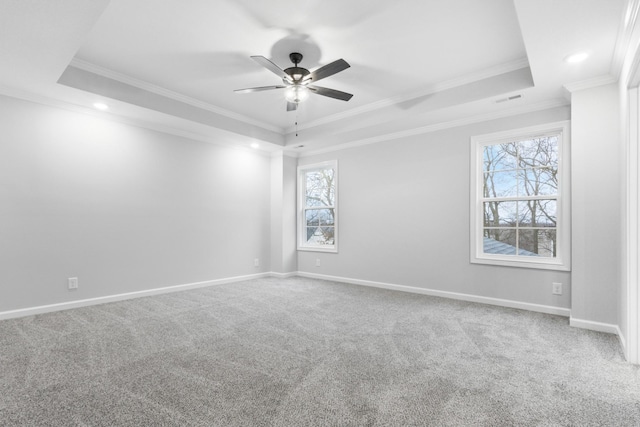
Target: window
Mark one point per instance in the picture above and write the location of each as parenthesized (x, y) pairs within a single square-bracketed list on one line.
[(317, 212), (519, 198)]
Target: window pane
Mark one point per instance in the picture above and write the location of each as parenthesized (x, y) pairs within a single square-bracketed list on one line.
[(320, 235), (315, 189), (491, 215), (316, 217), (500, 214), (542, 151), (499, 241), (319, 189), (326, 217), (537, 182), (537, 243), (328, 233), (312, 218), (537, 213), (313, 200), (499, 157), (501, 184)]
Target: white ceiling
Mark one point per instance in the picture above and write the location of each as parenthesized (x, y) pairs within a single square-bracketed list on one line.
[(173, 65)]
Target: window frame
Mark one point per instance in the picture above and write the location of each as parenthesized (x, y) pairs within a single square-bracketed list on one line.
[(562, 261), (302, 226)]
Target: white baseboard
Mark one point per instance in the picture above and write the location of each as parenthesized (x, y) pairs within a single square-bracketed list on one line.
[(120, 297), (559, 311), (595, 326), (623, 342), (283, 275), (585, 324)]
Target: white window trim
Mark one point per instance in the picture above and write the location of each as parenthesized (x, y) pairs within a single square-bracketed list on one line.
[(302, 246), (562, 261)]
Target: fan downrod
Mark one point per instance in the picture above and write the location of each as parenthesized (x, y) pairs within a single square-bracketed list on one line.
[(296, 73)]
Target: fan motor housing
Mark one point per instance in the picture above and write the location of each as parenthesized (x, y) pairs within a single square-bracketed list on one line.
[(297, 73)]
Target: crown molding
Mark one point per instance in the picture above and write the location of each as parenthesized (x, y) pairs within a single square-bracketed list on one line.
[(544, 105), (439, 87), (625, 34), (590, 83), (123, 78)]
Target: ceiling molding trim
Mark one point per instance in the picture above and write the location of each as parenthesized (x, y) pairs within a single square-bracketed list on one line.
[(439, 87), (544, 105), (590, 83), (625, 34), (123, 78), (81, 109)]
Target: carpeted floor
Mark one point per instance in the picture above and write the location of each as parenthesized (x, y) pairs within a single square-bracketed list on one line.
[(301, 352)]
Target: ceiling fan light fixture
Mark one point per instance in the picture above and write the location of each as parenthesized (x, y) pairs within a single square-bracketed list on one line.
[(296, 80), (296, 93)]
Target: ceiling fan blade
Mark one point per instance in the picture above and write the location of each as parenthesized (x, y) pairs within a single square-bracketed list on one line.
[(329, 70), (331, 93), (271, 67), (292, 106), (258, 89)]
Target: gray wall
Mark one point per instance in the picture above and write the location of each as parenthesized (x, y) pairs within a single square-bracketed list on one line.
[(404, 218), (597, 170), (283, 213), (128, 209), (122, 208)]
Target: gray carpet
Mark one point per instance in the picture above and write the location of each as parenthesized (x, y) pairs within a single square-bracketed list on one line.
[(301, 352)]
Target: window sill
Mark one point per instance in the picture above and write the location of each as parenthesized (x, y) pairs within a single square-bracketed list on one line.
[(519, 263), (329, 249)]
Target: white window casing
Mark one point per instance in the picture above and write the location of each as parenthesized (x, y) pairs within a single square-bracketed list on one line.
[(518, 219), (317, 217)]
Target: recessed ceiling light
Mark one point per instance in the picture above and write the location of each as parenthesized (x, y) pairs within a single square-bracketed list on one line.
[(576, 57), (100, 106), (255, 145)]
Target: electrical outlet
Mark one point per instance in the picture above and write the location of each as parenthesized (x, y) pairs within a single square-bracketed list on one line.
[(556, 288), (317, 262), (73, 283), (256, 262)]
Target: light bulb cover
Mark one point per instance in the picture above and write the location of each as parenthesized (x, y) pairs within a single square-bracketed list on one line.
[(296, 93)]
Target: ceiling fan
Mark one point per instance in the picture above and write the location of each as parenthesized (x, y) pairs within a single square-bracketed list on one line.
[(297, 80)]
